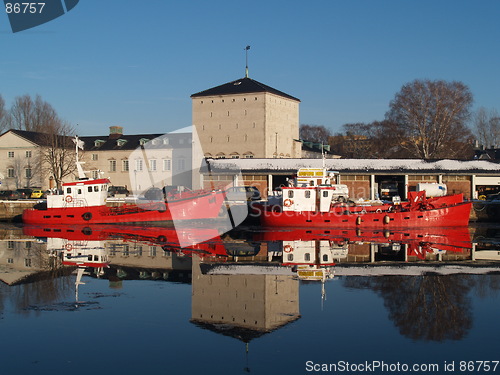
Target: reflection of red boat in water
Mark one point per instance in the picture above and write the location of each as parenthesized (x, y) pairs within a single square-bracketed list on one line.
[(198, 240), (324, 246)]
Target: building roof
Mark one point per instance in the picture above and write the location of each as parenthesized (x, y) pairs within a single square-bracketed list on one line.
[(358, 166), (133, 141), (116, 141), (37, 138), (242, 86)]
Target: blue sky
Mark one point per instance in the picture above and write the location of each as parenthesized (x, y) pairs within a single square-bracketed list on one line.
[(136, 63)]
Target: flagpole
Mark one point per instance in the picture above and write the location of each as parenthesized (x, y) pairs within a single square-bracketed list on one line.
[(246, 60)]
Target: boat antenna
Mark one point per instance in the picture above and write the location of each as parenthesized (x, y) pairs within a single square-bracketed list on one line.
[(246, 60), (323, 156)]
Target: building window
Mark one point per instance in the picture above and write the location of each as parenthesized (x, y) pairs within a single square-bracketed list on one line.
[(28, 154), (27, 172), (125, 166), (95, 157), (112, 165), (27, 262), (167, 164), (11, 154), (152, 165), (182, 164), (95, 173), (11, 173), (138, 165)]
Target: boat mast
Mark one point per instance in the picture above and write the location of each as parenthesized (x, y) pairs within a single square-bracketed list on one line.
[(79, 145)]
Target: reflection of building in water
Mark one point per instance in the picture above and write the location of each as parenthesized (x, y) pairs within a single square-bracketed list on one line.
[(22, 257), (150, 261), (258, 303)]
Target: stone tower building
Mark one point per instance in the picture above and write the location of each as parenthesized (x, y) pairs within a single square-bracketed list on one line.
[(247, 119)]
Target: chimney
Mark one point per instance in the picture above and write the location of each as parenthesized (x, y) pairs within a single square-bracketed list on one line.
[(115, 132)]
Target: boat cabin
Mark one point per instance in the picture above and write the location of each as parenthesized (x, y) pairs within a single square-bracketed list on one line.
[(315, 189), (83, 193)]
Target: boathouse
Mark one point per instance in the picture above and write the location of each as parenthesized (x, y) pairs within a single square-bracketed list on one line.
[(364, 177)]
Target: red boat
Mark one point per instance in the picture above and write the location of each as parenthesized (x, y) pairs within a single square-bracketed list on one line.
[(314, 201), (416, 214), (84, 202)]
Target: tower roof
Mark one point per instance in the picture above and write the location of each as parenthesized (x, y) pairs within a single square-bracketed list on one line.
[(242, 86)]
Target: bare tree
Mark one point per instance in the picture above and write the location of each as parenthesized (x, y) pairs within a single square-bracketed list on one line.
[(58, 152), (374, 140), (486, 125), (431, 117), (32, 114), (3, 115), (314, 133)]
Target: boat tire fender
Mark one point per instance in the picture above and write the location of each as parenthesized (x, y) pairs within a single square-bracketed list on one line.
[(359, 220), (387, 219), (87, 216)]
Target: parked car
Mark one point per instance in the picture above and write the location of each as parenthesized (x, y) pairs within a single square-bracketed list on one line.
[(9, 195), (24, 193), (243, 193), (117, 190), (173, 189), (37, 194), (493, 197)]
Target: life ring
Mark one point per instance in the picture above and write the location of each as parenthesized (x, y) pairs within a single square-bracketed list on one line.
[(287, 202), (288, 249), (68, 247), (87, 216), (161, 239), (68, 199)]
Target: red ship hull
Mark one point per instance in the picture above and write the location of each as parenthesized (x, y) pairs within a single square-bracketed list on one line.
[(206, 206), (368, 217)]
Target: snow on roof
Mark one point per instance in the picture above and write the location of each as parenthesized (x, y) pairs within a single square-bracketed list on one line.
[(355, 165)]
